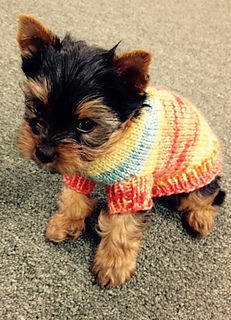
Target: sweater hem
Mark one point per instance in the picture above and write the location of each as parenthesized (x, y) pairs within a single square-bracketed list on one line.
[(180, 185)]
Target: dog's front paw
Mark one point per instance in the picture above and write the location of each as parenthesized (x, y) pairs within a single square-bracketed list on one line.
[(114, 269), (61, 227)]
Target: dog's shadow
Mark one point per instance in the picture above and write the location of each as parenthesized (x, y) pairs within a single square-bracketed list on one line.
[(167, 207)]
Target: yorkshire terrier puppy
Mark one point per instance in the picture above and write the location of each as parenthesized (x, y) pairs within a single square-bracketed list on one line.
[(92, 116)]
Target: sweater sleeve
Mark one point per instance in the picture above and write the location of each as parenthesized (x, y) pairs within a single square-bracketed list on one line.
[(79, 184), (130, 196)]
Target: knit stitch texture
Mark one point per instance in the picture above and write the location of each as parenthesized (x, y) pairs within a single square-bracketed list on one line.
[(167, 149)]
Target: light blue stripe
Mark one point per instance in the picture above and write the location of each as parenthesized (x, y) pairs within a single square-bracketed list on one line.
[(134, 163)]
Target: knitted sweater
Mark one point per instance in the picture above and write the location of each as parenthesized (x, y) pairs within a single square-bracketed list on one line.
[(167, 149)]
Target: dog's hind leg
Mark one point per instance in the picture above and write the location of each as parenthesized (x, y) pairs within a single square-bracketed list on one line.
[(198, 208)]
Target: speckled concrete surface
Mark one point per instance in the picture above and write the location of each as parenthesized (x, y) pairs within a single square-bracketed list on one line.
[(178, 277)]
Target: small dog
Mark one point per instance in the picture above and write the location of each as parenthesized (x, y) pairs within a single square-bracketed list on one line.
[(91, 116)]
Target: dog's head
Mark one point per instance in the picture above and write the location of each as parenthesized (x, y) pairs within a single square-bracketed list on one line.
[(78, 98)]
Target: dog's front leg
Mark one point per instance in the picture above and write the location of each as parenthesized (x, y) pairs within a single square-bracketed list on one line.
[(69, 220), (116, 255)]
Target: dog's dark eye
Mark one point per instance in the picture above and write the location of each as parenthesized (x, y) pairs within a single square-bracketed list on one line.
[(85, 125), (39, 105)]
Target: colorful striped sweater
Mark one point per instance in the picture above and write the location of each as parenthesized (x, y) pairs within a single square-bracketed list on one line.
[(167, 149)]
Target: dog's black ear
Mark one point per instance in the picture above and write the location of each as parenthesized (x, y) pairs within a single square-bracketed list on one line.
[(33, 36), (111, 53), (133, 66)]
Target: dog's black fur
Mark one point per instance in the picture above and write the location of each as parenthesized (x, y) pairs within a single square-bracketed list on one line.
[(74, 70)]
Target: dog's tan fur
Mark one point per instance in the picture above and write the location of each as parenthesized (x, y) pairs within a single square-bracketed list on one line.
[(39, 89)]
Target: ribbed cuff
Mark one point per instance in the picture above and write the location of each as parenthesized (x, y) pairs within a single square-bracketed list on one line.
[(130, 196), (79, 184)]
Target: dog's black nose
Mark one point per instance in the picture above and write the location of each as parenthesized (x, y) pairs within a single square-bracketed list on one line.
[(45, 154)]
